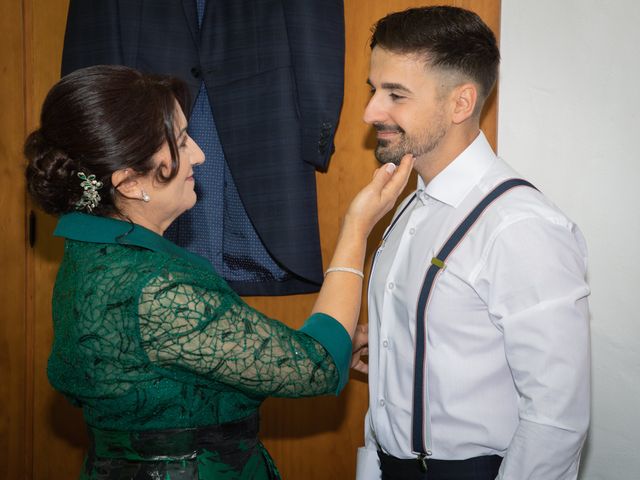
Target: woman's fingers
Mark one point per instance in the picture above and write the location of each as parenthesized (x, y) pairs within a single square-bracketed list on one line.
[(399, 177), (377, 198), (360, 348), (358, 364), (361, 366), (360, 337), (391, 178)]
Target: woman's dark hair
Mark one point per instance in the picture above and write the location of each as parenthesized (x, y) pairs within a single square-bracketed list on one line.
[(450, 38), (98, 120)]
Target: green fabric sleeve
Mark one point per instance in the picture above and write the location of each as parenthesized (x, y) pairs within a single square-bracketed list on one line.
[(327, 331)]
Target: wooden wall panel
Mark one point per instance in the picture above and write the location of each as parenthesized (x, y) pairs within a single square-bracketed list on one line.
[(317, 438), (13, 420), (59, 434)]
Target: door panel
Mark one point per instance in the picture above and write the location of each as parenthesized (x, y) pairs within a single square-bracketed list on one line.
[(13, 351), (59, 436)]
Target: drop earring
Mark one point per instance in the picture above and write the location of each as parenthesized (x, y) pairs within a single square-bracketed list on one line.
[(145, 196)]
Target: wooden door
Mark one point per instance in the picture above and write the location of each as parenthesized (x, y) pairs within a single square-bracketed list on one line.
[(13, 331), (41, 435), (57, 437)]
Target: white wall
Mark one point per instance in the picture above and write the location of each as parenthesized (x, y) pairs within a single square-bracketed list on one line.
[(569, 121)]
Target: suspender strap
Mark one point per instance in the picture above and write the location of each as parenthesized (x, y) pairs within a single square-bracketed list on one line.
[(393, 224), (438, 264), (395, 220)]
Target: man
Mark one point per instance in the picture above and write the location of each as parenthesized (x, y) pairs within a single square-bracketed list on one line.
[(478, 356)]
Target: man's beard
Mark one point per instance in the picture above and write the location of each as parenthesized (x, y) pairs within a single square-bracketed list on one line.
[(387, 152)]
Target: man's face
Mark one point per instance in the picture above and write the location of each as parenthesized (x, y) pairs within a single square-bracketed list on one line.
[(407, 107)]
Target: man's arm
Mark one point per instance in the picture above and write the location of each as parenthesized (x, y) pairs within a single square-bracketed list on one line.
[(534, 283)]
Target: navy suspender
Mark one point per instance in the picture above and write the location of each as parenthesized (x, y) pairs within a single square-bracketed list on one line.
[(387, 233), (395, 220), (437, 265)]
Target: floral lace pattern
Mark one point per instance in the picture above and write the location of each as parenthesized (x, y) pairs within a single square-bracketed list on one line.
[(220, 337), (146, 340)]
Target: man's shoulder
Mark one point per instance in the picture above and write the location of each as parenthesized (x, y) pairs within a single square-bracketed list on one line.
[(518, 203)]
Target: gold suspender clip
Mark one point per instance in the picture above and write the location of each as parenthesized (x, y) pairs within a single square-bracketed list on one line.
[(438, 263)]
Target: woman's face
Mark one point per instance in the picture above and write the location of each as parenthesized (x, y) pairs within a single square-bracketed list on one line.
[(169, 200)]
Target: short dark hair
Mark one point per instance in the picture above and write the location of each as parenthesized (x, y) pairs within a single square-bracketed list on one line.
[(450, 38), (99, 120)]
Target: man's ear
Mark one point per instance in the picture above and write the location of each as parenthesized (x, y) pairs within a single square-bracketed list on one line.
[(126, 183), (465, 98)]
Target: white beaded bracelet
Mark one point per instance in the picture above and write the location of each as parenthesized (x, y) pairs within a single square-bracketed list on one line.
[(344, 269)]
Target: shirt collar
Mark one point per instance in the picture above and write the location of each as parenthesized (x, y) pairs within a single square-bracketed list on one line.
[(453, 183), (98, 229)]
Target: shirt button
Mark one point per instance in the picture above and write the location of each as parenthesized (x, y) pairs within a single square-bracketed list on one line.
[(412, 231), (385, 343), (381, 402), (391, 286)]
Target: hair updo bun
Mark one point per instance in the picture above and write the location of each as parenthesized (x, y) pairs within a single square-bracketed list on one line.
[(51, 176), (91, 124)]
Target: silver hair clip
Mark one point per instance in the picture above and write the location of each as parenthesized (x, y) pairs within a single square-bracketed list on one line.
[(90, 196)]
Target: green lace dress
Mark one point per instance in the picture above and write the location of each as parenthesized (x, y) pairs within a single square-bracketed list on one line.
[(149, 340)]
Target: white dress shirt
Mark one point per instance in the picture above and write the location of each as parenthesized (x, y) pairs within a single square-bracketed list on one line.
[(507, 351)]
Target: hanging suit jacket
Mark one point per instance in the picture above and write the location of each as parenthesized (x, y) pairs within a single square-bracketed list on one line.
[(274, 74)]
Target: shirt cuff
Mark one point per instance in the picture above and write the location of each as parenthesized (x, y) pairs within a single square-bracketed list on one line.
[(327, 331), (367, 465)]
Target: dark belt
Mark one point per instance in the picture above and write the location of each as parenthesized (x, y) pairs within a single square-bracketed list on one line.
[(173, 444), (179, 454), (476, 468)]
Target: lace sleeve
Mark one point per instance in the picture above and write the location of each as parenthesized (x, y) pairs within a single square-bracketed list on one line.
[(216, 335)]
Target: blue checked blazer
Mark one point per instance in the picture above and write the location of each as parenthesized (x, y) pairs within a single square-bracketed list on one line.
[(274, 74)]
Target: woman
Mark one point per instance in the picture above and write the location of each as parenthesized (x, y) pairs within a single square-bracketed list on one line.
[(168, 364)]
